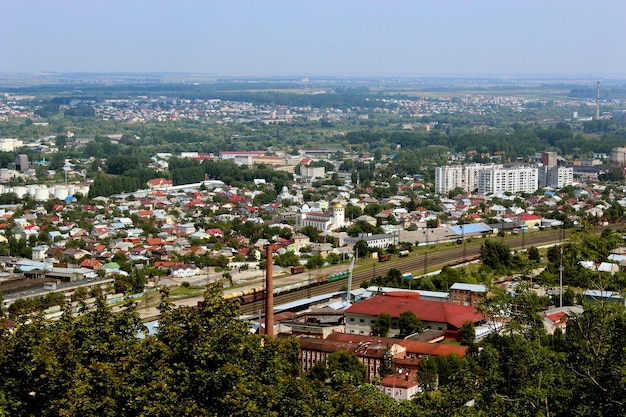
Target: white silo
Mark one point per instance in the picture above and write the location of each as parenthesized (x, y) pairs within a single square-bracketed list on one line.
[(61, 192), (42, 193), (32, 189), (20, 191)]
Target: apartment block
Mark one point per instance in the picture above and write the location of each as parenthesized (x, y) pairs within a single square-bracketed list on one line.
[(513, 180)]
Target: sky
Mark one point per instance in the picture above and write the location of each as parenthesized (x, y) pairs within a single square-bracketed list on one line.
[(314, 37)]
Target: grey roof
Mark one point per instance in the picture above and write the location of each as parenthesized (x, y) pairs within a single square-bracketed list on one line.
[(468, 287)]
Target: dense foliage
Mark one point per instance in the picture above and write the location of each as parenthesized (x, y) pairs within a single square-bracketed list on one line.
[(205, 362)]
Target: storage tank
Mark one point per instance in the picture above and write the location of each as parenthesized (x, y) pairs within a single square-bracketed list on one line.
[(61, 192), (42, 193), (83, 189), (20, 191), (32, 189)]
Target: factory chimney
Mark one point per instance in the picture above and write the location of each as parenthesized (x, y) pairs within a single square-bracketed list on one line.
[(598, 101), (269, 292)]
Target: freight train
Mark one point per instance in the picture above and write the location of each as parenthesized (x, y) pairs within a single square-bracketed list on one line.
[(255, 294)]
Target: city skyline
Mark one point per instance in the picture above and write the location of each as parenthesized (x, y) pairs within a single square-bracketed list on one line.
[(387, 38)]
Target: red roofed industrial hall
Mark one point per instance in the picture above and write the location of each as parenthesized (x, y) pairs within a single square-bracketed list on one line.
[(433, 314)]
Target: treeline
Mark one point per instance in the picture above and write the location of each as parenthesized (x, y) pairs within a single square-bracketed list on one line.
[(606, 92), (104, 186), (520, 141), (80, 111)]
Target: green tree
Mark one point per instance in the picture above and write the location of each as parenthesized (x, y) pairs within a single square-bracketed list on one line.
[(382, 324), (468, 333), (495, 254), (409, 324), (361, 249), (533, 255), (315, 262), (346, 368)]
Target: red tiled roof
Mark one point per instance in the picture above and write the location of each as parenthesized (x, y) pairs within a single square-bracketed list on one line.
[(412, 346), (432, 311), (528, 217)]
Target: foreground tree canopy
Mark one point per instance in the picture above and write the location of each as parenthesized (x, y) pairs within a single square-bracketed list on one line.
[(205, 362)]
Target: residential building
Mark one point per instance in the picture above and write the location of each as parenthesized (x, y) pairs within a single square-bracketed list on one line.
[(465, 177), (159, 183), (467, 294), (513, 180), (549, 159), (402, 385), (555, 176), (10, 144)]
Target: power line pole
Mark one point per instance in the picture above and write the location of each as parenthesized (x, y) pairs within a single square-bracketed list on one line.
[(561, 280)]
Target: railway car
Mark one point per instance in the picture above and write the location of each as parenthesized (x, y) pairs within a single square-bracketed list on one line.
[(256, 294), (338, 276), (298, 269), (321, 280), (384, 257), (403, 253)]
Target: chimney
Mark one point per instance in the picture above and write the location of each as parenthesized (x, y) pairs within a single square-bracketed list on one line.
[(598, 101), (269, 293)]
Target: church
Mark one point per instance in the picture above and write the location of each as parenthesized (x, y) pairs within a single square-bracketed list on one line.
[(324, 221)]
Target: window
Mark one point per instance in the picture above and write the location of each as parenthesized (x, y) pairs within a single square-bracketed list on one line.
[(362, 320), (351, 318)]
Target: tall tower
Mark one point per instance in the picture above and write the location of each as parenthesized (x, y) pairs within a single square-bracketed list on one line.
[(598, 101), (339, 216)]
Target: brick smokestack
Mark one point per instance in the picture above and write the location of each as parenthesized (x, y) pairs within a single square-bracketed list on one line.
[(269, 293)]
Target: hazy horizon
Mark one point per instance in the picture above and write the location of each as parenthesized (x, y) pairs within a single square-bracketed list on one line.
[(394, 38)]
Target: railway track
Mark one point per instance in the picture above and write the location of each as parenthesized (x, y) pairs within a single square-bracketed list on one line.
[(418, 264)]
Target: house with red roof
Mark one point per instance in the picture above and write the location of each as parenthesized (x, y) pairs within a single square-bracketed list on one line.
[(433, 314), (159, 183), (91, 264), (215, 232), (530, 220), (401, 386)]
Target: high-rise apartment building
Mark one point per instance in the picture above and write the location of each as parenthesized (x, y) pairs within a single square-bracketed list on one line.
[(513, 180), (555, 176), (465, 177)]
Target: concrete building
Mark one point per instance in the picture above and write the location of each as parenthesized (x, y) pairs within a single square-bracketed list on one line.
[(10, 144), (618, 155), (555, 176), (374, 241), (513, 180), (549, 158), (21, 162), (467, 294), (312, 172), (465, 177)]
